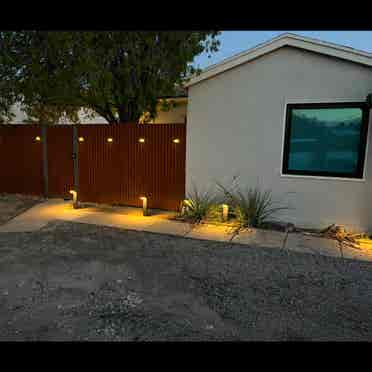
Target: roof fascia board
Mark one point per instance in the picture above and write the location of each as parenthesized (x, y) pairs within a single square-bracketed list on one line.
[(296, 41)]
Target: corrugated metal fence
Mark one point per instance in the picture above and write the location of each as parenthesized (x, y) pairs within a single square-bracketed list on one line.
[(59, 141), (115, 164), (21, 160)]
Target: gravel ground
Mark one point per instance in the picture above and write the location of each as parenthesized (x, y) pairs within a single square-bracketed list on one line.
[(12, 205), (73, 281)]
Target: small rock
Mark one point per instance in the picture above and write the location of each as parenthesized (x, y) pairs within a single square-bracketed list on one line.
[(209, 326)]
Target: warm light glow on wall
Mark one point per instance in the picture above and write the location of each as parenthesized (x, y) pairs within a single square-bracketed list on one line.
[(142, 140), (81, 139), (110, 140), (37, 138), (176, 140)]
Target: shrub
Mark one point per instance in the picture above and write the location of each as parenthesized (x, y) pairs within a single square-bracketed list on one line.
[(252, 207), (199, 205)]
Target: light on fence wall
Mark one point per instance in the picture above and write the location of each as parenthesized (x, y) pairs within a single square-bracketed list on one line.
[(37, 138), (74, 198), (142, 140), (225, 211), (144, 205), (176, 140), (81, 139), (110, 140)]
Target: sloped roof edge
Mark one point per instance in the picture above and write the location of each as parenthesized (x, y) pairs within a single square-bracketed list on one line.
[(287, 39)]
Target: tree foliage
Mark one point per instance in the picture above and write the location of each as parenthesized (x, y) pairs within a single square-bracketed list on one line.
[(118, 75)]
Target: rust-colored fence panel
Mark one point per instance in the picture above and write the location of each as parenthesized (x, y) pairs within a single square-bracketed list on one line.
[(21, 159), (117, 164), (60, 160), (121, 171)]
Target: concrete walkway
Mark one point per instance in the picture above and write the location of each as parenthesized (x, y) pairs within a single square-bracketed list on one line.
[(132, 218)]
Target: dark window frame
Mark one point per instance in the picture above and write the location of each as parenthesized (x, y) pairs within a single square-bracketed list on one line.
[(359, 173)]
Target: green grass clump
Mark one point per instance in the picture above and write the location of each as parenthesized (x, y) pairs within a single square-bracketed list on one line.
[(252, 207), (199, 205)]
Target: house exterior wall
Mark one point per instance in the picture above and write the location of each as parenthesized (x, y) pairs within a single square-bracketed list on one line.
[(19, 115), (235, 126), (21, 118), (175, 115)]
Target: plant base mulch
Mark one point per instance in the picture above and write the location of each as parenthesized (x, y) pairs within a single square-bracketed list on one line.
[(340, 234)]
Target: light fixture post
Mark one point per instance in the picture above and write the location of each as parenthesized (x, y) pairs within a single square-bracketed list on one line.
[(75, 203), (144, 206), (225, 212)]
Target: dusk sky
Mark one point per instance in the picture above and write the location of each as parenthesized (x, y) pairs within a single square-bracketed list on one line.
[(233, 42)]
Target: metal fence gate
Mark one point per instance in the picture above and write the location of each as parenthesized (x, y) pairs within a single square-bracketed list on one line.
[(114, 164)]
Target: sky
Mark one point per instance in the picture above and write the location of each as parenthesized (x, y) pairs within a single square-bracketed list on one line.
[(233, 42)]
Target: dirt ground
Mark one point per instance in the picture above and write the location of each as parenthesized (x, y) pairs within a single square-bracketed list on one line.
[(12, 205), (72, 281)]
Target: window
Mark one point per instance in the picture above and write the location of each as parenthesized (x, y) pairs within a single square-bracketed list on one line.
[(325, 139)]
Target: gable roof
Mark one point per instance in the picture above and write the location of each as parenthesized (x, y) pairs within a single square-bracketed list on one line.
[(287, 39)]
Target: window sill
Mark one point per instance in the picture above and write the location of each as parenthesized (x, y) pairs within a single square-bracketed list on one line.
[(323, 178)]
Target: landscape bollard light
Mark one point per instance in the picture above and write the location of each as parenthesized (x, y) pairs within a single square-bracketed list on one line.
[(74, 199), (225, 212), (144, 205), (182, 207), (186, 205)]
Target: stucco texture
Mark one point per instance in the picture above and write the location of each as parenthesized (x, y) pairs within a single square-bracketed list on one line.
[(235, 124), (176, 115)]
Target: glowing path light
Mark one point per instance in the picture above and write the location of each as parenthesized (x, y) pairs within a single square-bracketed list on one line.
[(225, 211), (144, 205), (74, 198)]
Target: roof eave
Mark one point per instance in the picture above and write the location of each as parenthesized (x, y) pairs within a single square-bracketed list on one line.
[(296, 41)]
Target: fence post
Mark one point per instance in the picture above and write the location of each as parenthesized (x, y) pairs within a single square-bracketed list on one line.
[(75, 157), (45, 159)]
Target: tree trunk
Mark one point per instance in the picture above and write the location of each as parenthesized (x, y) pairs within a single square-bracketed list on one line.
[(105, 114), (128, 113)]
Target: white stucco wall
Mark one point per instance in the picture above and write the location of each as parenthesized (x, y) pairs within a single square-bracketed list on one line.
[(175, 115), (235, 126), (19, 115)]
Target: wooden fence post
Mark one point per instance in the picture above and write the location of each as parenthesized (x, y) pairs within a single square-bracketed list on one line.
[(75, 157), (45, 159)]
